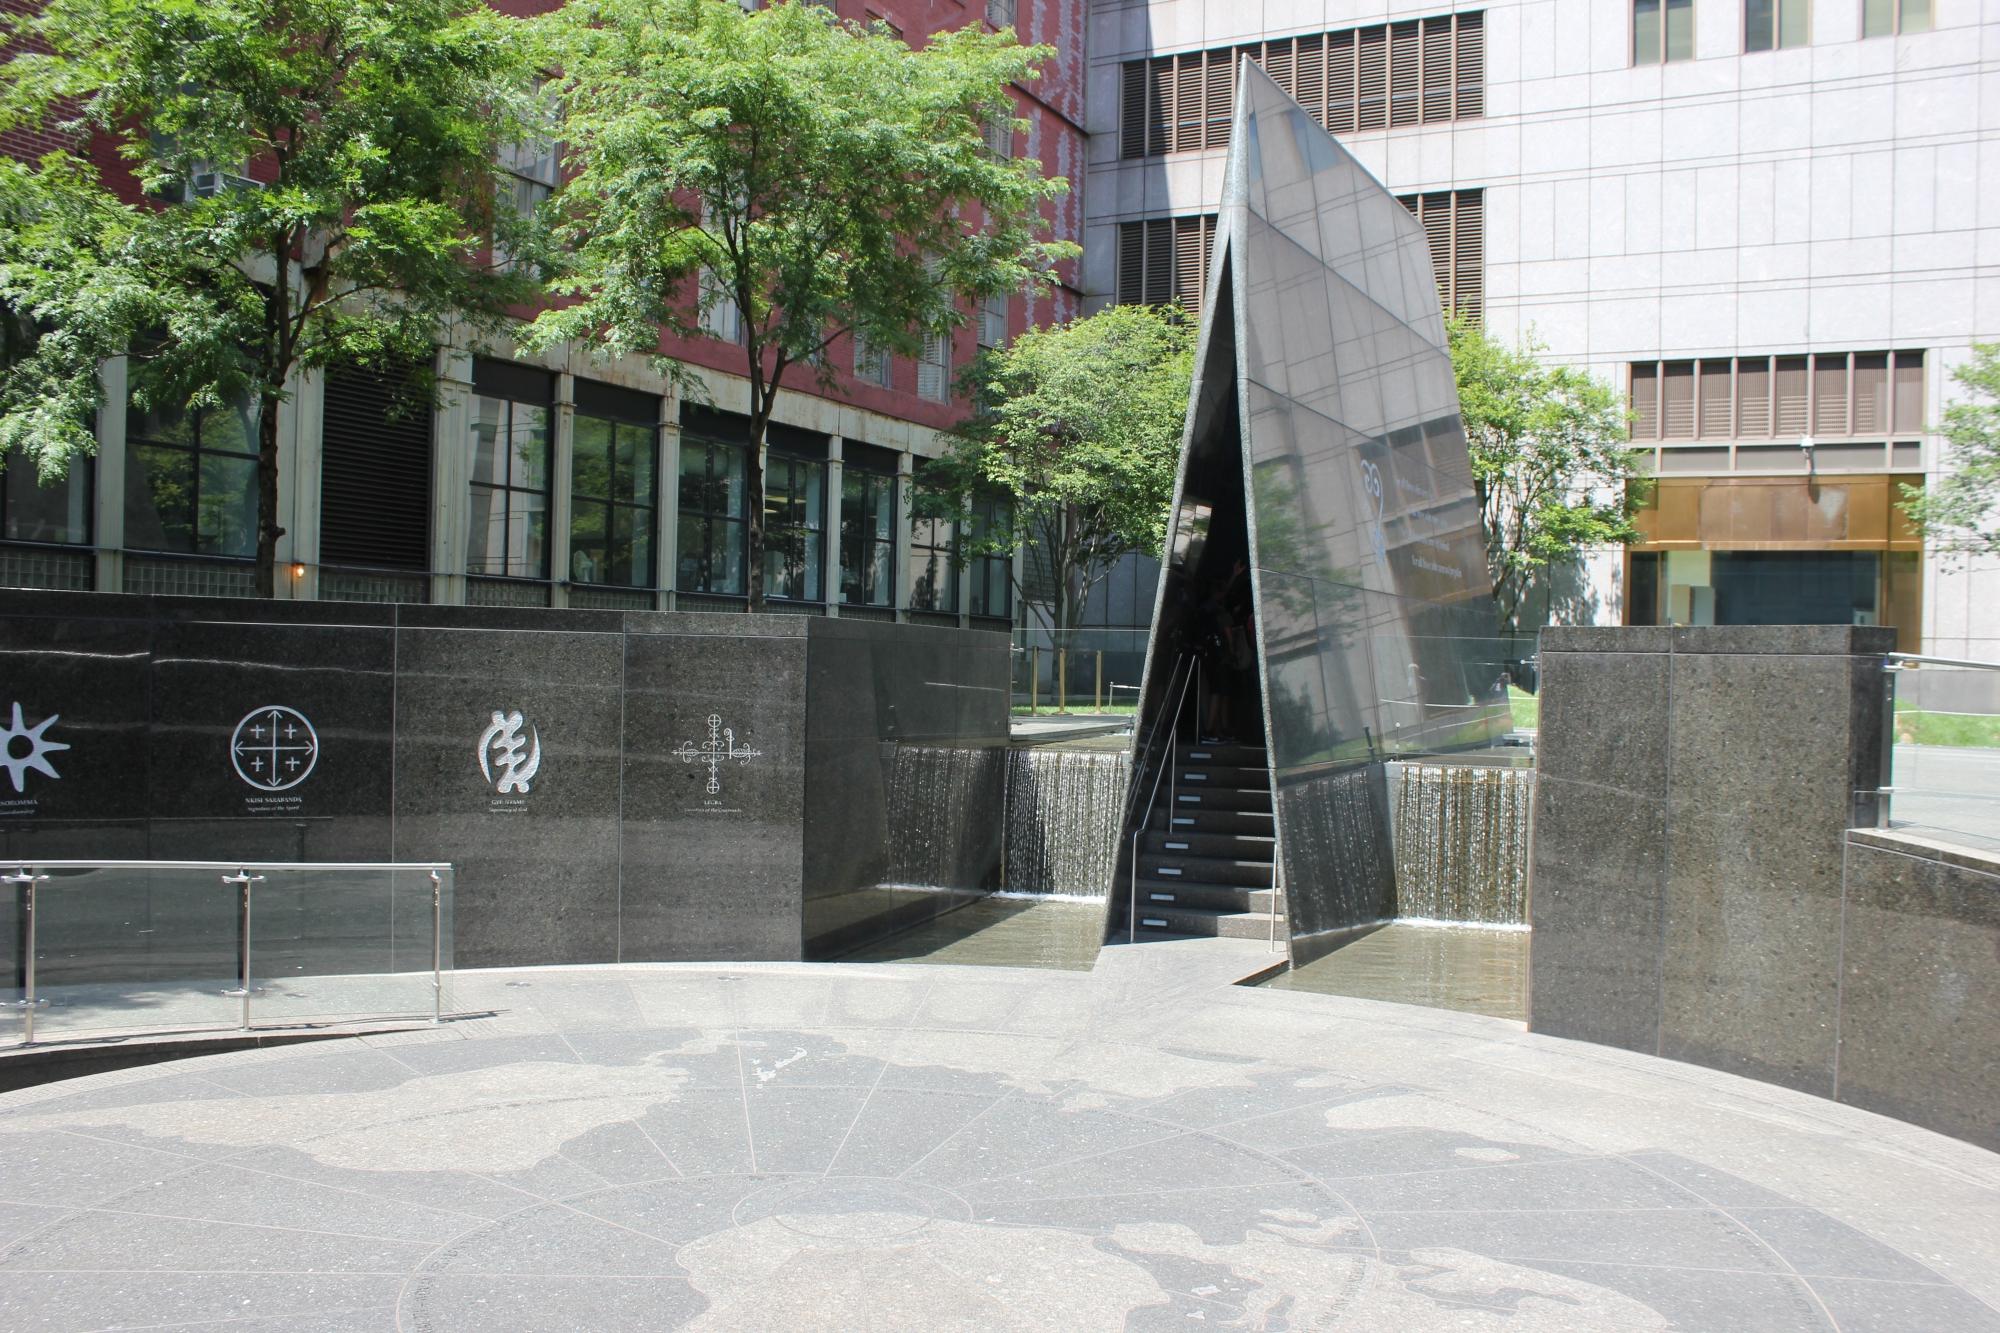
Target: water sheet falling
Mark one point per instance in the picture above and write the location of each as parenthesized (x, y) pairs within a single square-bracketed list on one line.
[(1063, 813), (944, 805), (1462, 843)]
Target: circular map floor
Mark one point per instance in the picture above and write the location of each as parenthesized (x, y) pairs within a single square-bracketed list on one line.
[(1141, 1146)]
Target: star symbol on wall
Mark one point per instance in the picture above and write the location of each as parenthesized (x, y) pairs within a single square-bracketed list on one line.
[(39, 748)]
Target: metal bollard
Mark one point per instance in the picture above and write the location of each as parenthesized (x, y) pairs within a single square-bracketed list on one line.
[(1097, 691), (24, 882), (1034, 677), (243, 880), (437, 947), (1062, 681)]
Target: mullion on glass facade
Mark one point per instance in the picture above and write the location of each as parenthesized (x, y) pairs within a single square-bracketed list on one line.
[(992, 570), (191, 481), (794, 528), (612, 514), (714, 518)]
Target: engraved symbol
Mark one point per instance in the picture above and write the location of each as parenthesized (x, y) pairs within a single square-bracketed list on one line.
[(718, 749), (274, 748), (39, 748), (502, 745)]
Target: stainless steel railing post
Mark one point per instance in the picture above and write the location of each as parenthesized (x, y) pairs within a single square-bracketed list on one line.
[(243, 880), (24, 880), (437, 947), (1132, 908)]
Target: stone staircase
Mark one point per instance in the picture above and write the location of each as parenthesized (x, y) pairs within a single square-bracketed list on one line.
[(1205, 855)]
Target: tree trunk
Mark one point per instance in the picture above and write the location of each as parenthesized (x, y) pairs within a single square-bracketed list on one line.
[(753, 488), (268, 530)]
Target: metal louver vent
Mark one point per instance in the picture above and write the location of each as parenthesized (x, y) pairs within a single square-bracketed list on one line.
[(375, 472)]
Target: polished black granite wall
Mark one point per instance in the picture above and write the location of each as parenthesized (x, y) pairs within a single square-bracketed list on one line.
[(1694, 788), (622, 844)]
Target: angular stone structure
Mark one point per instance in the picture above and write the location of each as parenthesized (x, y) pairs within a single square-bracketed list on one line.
[(1325, 451)]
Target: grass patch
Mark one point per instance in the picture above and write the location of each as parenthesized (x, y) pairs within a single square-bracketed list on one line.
[(1527, 707), (1967, 730)]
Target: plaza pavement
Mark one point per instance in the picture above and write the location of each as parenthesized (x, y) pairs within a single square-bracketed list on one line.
[(889, 1146)]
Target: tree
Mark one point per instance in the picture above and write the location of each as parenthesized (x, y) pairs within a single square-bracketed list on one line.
[(1081, 429), (823, 178), (319, 182), (1961, 514), (1550, 460)]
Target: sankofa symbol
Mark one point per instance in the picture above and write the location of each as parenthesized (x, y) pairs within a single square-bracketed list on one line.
[(517, 757), (718, 749), (39, 748), (274, 748)]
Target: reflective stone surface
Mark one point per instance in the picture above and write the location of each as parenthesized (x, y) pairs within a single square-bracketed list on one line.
[(1439, 967), (609, 785), (1325, 451)]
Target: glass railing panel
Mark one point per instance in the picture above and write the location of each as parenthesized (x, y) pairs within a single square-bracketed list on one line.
[(1945, 765), (343, 943), (123, 948)]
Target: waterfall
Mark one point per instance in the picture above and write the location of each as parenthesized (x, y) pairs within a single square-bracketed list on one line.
[(1461, 840), (942, 829), (1063, 813)]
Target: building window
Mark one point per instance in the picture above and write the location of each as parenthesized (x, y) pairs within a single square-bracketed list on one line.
[(993, 322), (1000, 13), (714, 517), (992, 571), (1454, 223), (1165, 259), (934, 561), (867, 538), (1885, 18), (508, 535), (871, 364), (1000, 134), (794, 528), (58, 512), (1416, 72), (720, 315), (1662, 31), (1772, 24), (191, 480), (1839, 395), (613, 483), (934, 368), (376, 433), (530, 172)]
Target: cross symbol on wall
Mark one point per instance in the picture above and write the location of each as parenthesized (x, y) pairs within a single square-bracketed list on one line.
[(719, 748)]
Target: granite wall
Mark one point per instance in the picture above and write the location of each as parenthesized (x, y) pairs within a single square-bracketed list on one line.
[(559, 760), (1693, 795)]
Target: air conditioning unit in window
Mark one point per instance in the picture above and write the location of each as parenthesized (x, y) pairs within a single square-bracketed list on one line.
[(205, 181)]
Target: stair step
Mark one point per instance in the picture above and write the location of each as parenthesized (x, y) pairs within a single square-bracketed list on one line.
[(1246, 756), (1205, 921), (1217, 798), (1209, 819), (1228, 846), (1205, 870), (1193, 774), (1154, 895)]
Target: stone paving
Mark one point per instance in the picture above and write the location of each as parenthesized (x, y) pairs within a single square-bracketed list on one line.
[(879, 1146)]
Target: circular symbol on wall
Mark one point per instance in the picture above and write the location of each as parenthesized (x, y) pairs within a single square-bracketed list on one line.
[(274, 748)]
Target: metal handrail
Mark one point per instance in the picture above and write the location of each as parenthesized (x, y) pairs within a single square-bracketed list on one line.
[(1145, 756), (1897, 659), (25, 875), (1180, 705), (1894, 664)]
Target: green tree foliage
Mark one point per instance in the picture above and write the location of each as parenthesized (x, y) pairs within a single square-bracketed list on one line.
[(1961, 514), (823, 177), (1550, 459), (1081, 428), (346, 151)]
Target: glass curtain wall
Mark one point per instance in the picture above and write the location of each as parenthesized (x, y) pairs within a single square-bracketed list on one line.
[(992, 571), (794, 529), (613, 489), (58, 512), (867, 538), (191, 480), (714, 518), (508, 534)]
